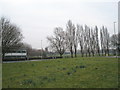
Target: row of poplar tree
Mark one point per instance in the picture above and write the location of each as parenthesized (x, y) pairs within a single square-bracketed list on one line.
[(92, 41)]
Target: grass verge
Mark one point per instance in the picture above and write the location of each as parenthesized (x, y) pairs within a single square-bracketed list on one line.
[(81, 72)]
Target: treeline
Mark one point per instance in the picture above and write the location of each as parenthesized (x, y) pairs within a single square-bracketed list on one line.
[(92, 41)]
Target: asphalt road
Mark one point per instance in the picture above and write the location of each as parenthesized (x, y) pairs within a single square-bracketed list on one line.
[(24, 61), (47, 59)]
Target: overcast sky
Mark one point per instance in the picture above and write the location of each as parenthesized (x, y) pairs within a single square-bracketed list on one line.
[(38, 18)]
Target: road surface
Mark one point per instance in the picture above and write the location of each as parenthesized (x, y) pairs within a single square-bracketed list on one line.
[(24, 61), (47, 59)]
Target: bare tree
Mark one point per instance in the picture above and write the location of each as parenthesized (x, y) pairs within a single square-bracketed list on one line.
[(75, 33), (92, 41), (11, 36), (101, 39), (70, 36), (97, 41), (58, 41), (80, 38), (105, 42), (86, 40)]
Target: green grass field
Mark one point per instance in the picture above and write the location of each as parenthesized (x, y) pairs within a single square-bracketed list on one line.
[(86, 72)]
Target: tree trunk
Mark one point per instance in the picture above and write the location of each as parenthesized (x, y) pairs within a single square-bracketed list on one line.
[(99, 52), (93, 53), (71, 54), (75, 52), (82, 51), (108, 52), (105, 52), (86, 54), (82, 54), (61, 55), (71, 51), (102, 52), (89, 52)]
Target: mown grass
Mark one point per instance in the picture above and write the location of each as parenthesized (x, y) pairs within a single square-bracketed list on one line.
[(82, 72)]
